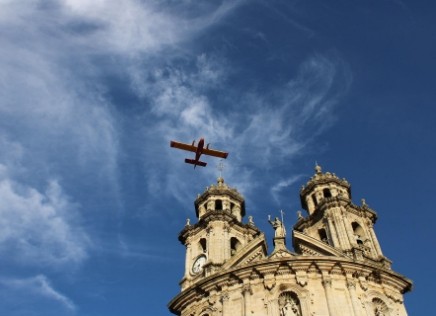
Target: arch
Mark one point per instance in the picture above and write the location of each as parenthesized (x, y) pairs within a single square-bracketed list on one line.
[(359, 233), (303, 295), (289, 304), (203, 245), (379, 307), (235, 244), (323, 235)]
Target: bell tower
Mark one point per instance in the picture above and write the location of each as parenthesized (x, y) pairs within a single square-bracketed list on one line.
[(334, 222), (219, 234), (337, 269)]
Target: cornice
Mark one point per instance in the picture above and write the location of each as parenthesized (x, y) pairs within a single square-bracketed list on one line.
[(270, 266), (324, 178), (202, 225)]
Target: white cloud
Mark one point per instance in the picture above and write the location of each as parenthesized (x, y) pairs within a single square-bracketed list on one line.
[(39, 228), (264, 131), (38, 286), (283, 184)]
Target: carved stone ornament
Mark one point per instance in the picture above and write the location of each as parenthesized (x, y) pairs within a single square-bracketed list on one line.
[(363, 283), (269, 282), (301, 277)]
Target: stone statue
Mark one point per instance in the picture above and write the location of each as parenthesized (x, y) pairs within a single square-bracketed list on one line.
[(278, 227), (289, 309), (378, 312)]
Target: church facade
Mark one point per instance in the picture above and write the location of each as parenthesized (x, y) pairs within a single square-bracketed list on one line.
[(337, 267)]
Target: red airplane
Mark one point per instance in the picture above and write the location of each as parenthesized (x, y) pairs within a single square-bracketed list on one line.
[(198, 150)]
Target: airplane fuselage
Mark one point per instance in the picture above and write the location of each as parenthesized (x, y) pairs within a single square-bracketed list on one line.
[(199, 151)]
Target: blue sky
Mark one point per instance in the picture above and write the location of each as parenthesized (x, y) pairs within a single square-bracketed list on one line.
[(91, 92)]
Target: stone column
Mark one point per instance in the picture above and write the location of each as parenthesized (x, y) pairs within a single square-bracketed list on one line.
[(332, 231), (188, 257), (350, 232), (343, 238), (351, 285), (374, 239), (224, 302), (330, 297), (246, 292)]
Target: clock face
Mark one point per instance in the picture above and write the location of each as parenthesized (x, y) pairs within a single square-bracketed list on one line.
[(197, 267)]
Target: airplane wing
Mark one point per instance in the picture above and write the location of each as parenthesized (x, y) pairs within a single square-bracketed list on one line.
[(183, 146), (215, 153)]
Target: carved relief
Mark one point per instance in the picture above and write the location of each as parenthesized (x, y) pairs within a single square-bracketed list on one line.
[(301, 277)]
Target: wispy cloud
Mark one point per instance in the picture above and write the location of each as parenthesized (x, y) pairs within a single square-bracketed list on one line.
[(263, 130), (39, 228), (60, 126), (283, 184), (38, 286)]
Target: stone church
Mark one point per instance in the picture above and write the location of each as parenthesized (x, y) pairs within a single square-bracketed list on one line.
[(337, 267)]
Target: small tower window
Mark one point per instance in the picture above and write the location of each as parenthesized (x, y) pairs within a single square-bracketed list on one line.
[(203, 245), (315, 202), (218, 205), (358, 233), (327, 193), (323, 235), (234, 245)]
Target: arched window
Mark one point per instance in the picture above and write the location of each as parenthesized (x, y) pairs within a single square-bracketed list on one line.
[(218, 205), (359, 233), (234, 245), (203, 245), (323, 235), (289, 304), (327, 193), (379, 308)]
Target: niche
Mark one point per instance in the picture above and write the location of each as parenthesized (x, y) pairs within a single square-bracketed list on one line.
[(234, 245)]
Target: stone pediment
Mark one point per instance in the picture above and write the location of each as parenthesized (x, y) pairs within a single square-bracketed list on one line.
[(253, 251), (281, 253), (307, 245)]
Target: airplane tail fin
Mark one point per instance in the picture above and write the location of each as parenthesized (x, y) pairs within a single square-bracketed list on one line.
[(196, 163)]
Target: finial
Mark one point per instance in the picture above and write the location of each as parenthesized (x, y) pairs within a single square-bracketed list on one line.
[(318, 168), (188, 222)]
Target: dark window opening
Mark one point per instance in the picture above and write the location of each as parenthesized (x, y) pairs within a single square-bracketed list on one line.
[(218, 205), (203, 244), (327, 193), (358, 233), (323, 235), (234, 245), (314, 200)]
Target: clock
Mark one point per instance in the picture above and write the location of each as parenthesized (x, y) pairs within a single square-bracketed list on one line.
[(197, 267)]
